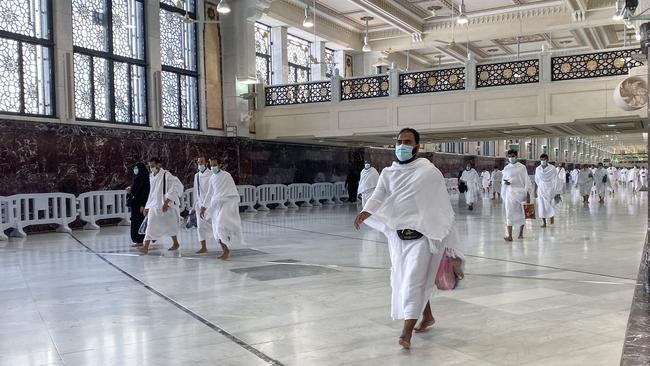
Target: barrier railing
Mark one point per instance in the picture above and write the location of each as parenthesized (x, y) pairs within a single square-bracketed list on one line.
[(271, 194), (22, 210), (323, 192), (340, 193), (299, 192), (247, 197), (43, 208), (98, 205)]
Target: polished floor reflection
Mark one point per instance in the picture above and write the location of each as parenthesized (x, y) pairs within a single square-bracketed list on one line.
[(309, 290)]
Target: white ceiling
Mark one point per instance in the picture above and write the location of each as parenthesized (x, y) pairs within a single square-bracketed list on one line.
[(491, 35)]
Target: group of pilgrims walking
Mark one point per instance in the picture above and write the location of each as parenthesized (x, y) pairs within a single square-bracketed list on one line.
[(408, 202)]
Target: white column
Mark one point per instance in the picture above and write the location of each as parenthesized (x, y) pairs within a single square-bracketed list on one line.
[(470, 73), (279, 55), (63, 58), (154, 92), (319, 71), (545, 70)]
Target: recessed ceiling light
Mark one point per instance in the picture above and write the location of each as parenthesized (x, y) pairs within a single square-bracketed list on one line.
[(492, 50), (611, 124)]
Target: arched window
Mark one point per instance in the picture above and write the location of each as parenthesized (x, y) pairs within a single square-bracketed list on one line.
[(109, 61), (26, 57), (179, 77)]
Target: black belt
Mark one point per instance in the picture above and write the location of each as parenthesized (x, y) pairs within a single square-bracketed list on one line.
[(409, 234)]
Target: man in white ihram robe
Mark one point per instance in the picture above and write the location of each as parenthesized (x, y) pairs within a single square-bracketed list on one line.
[(585, 182), (485, 180), (473, 182), (612, 176), (221, 206), (546, 181), (601, 181), (643, 176), (411, 206), (633, 179), (561, 180), (515, 192), (201, 185), (368, 182), (574, 176), (496, 178), (622, 176), (162, 209)]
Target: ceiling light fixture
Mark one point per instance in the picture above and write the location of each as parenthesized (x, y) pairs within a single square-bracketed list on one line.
[(223, 7), (308, 22), (611, 124), (366, 46), (462, 18)]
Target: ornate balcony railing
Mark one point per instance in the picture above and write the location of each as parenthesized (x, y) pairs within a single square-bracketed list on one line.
[(507, 73), (315, 92), (593, 65), (432, 81), (366, 87)]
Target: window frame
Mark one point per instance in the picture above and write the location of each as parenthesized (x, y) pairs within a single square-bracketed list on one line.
[(268, 58), (179, 72), (333, 52), (45, 43), (296, 67), (111, 58)]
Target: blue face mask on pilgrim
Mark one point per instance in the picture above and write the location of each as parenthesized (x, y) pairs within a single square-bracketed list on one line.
[(404, 152), (214, 169), (154, 171), (512, 160), (136, 170), (201, 168)]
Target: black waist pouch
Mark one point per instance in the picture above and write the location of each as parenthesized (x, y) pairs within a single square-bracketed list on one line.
[(409, 234)]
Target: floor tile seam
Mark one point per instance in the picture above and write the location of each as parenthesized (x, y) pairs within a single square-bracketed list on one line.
[(264, 357)]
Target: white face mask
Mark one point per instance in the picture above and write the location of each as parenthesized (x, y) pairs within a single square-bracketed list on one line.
[(512, 160), (154, 170), (544, 162), (367, 166), (136, 170), (214, 169)]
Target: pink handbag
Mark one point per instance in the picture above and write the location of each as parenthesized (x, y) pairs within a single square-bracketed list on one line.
[(445, 278)]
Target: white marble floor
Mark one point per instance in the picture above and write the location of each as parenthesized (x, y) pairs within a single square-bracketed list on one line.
[(309, 290)]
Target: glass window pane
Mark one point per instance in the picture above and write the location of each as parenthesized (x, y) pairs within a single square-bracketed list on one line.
[(138, 95), (37, 79), (102, 89), (189, 105), (128, 29), (122, 94), (298, 51), (177, 41), (10, 86), (170, 96), (82, 87), (26, 17), (187, 4), (89, 24)]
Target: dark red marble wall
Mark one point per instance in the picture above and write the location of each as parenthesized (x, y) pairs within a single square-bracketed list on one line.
[(54, 157)]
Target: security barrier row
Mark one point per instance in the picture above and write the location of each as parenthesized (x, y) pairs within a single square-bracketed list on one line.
[(23, 210)]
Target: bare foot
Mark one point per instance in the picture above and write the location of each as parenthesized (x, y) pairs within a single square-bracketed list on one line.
[(202, 250), (174, 247), (520, 237), (143, 250), (552, 220), (543, 225), (224, 255), (424, 324), (508, 238), (406, 344)]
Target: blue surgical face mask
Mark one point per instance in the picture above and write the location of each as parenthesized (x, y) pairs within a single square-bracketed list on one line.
[(367, 166), (404, 152), (214, 170), (154, 171), (543, 162), (512, 160), (136, 170), (201, 168)]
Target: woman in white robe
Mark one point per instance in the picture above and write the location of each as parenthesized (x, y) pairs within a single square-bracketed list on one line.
[(546, 180), (368, 182), (585, 182), (471, 178), (162, 209), (515, 192), (221, 206)]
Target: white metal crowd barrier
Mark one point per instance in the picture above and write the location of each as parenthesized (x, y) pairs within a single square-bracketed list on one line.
[(452, 184), (299, 192), (270, 194), (187, 201), (247, 197), (98, 205), (324, 192), (7, 218), (340, 193), (43, 208)]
